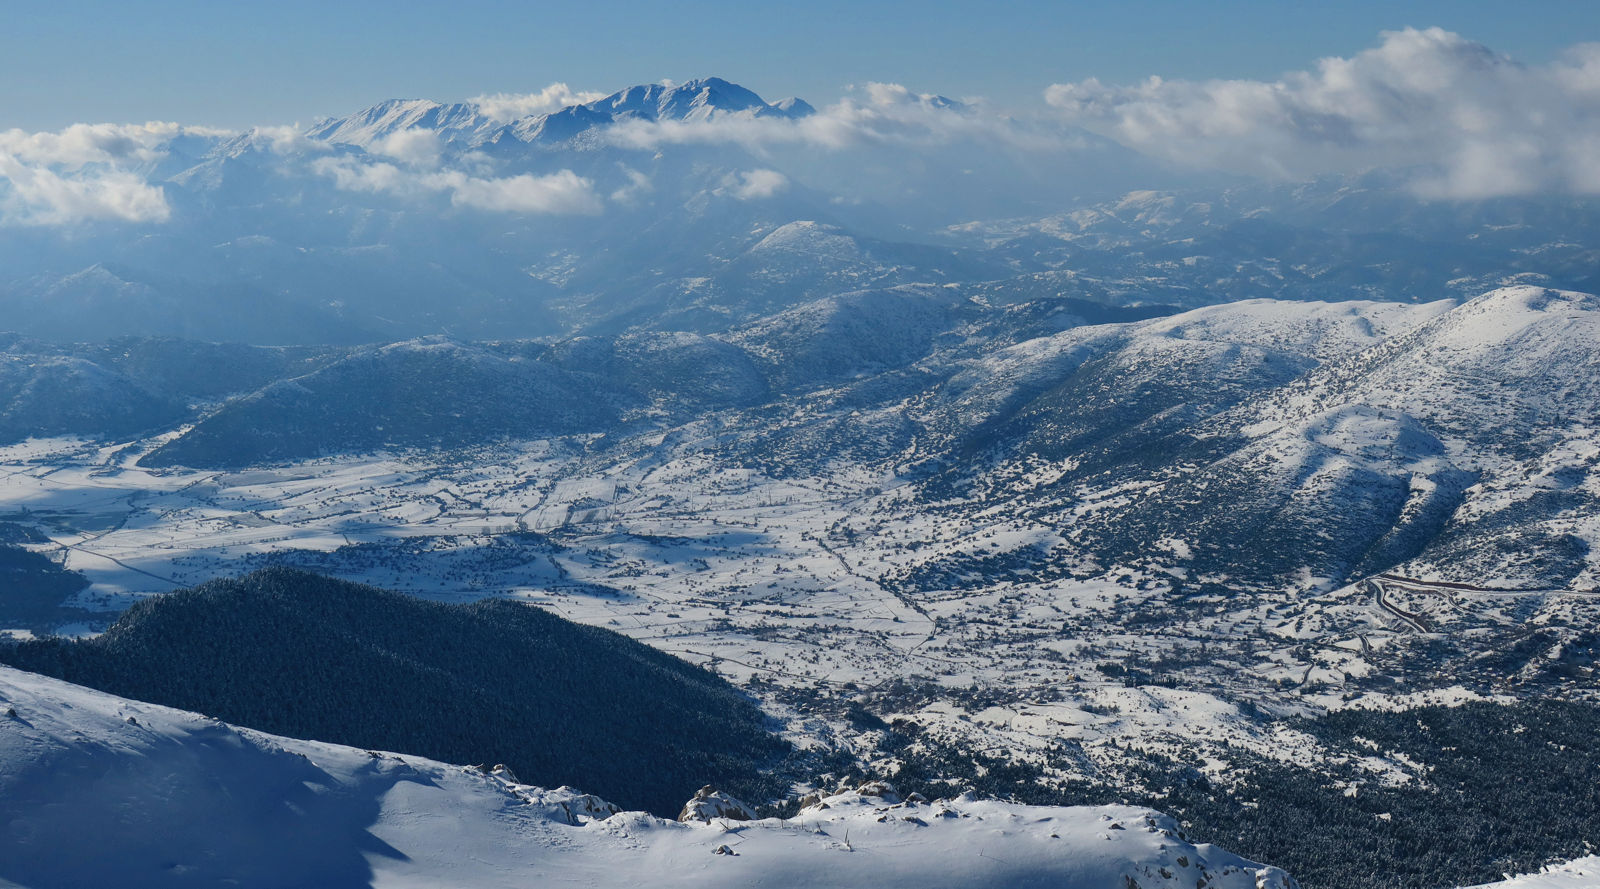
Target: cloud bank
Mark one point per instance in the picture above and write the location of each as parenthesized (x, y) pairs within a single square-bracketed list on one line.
[(1452, 119), (86, 172), (40, 196), (1462, 120), (875, 114), (563, 192)]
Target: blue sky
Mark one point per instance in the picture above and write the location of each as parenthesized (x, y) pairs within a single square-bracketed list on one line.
[(237, 64)]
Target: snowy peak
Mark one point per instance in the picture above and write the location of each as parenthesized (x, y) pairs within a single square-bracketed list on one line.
[(793, 107), (1517, 319), (807, 238), (696, 100), (558, 126), (397, 115)]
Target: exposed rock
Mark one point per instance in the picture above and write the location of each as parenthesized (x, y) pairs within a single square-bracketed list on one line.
[(882, 789), (709, 803), (579, 805)]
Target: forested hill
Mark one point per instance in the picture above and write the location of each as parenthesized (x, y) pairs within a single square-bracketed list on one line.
[(494, 681)]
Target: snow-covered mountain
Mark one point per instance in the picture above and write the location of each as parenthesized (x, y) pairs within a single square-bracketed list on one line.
[(467, 126), (701, 206), (171, 798), (364, 128), (1334, 440)]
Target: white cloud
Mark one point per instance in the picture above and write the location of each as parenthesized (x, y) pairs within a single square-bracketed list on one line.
[(351, 174), (1460, 119), (40, 196), (884, 95), (563, 192), (417, 147), (289, 139), (887, 114), (638, 184), (85, 172), (514, 106), (82, 144), (888, 94), (751, 185)]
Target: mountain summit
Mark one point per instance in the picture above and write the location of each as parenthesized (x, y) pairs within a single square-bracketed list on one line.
[(695, 100), (466, 124)]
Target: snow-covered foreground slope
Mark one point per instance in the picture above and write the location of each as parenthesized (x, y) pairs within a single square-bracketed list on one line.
[(1584, 873), (97, 790)]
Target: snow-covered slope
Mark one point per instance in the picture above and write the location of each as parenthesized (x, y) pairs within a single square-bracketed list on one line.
[(1320, 440), (1525, 357), (97, 790), (385, 119), (1584, 873)]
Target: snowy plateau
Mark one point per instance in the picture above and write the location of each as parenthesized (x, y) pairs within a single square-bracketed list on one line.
[(1260, 516)]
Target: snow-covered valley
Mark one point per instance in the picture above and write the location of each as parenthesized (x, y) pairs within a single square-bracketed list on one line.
[(1091, 552)]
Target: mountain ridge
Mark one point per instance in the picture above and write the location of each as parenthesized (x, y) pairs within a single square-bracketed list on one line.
[(466, 123)]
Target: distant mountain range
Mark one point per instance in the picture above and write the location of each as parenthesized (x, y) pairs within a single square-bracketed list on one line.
[(700, 207), (465, 125)]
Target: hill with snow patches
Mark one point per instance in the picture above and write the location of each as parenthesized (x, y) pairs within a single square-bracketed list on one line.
[(260, 810)]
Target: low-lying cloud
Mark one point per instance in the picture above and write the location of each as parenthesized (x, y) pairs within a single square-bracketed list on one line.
[(562, 192), (82, 144), (750, 185), (1461, 120), (1448, 117), (86, 172), (515, 106), (417, 147), (874, 114), (38, 195)]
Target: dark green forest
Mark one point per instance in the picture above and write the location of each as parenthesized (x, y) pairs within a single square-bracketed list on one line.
[(33, 589), (494, 681), (1506, 788)]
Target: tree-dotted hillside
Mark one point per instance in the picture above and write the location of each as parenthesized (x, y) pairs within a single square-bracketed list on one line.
[(35, 592)]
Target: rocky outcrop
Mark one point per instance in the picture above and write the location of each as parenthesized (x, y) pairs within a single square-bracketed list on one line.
[(710, 803)]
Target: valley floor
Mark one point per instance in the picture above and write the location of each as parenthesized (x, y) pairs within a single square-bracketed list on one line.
[(777, 583)]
